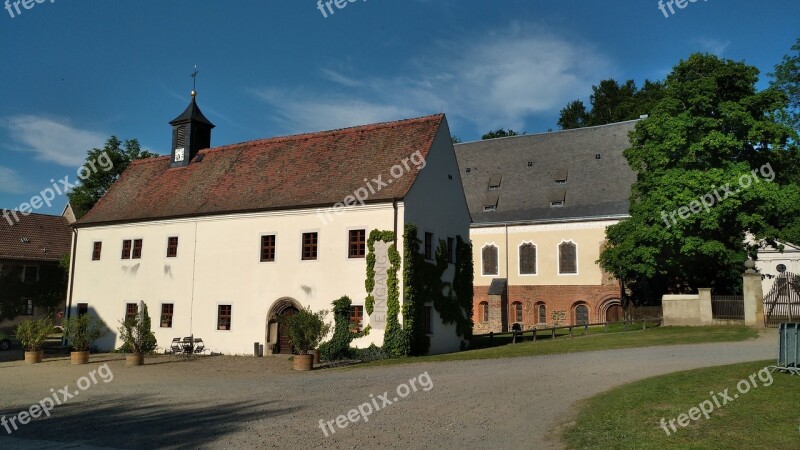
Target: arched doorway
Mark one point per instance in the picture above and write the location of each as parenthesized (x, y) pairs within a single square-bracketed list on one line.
[(277, 339), (614, 313)]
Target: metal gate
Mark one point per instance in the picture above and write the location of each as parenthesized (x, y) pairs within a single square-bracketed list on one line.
[(782, 302)]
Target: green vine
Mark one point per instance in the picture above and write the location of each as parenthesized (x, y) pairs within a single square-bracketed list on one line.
[(395, 343), (424, 281), (339, 345)]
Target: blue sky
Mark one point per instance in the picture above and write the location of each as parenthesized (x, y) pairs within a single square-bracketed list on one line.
[(74, 73)]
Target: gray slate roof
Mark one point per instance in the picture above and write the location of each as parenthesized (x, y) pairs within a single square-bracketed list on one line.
[(594, 188)]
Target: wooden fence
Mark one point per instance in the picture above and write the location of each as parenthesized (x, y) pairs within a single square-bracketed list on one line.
[(551, 332)]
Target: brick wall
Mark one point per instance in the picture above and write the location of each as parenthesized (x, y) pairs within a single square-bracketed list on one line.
[(560, 302)]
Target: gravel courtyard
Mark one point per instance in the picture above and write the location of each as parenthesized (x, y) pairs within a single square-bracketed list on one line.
[(238, 402)]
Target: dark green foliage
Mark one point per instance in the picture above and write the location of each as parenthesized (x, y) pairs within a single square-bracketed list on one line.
[(612, 102), (395, 343), (82, 331), (83, 197), (306, 329), (786, 79), (33, 333), (339, 345), (137, 335), (710, 129), (500, 133)]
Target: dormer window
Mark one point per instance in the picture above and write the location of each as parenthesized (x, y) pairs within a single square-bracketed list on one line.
[(558, 197), (490, 202), (556, 204), (495, 182), (560, 176)]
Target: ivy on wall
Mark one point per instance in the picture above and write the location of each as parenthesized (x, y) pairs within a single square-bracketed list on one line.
[(339, 345), (395, 343), (424, 282)]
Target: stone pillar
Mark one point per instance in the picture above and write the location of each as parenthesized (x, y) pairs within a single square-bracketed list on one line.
[(753, 300), (704, 306), (753, 296)]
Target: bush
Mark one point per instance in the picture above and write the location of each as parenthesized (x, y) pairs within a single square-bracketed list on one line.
[(82, 331), (306, 329), (33, 333), (136, 334), (338, 347)]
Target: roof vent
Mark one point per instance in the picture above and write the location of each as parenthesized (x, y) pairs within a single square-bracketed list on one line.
[(199, 157), (25, 240), (598, 156)]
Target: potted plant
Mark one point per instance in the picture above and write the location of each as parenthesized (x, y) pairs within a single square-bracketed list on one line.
[(81, 332), (306, 329), (137, 337), (32, 335)]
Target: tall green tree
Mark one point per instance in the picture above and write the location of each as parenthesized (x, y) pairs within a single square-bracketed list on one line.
[(109, 161), (786, 79), (711, 133), (611, 102)]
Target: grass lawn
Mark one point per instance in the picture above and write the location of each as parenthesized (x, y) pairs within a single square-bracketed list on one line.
[(629, 416), (651, 337)]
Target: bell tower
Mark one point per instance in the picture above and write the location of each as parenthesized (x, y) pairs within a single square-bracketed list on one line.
[(191, 132)]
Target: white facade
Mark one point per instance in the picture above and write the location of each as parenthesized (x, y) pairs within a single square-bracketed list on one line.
[(218, 263)]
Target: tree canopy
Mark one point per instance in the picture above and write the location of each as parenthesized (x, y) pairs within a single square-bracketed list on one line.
[(611, 102), (84, 196), (500, 134), (713, 163)]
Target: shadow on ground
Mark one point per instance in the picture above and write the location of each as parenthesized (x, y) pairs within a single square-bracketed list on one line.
[(143, 422)]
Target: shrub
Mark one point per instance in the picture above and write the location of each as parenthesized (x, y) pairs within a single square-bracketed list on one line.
[(339, 345), (82, 331), (33, 333), (306, 329), (136, 334)]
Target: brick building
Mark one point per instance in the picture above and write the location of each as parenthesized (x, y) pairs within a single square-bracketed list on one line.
[(540, 206)]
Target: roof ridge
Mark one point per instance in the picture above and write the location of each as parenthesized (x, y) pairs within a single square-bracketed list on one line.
[(545, 133)]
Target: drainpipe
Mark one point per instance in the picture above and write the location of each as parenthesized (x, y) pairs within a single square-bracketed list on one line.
[(394, 205), (194, 266), (508, 281), (72, 263)]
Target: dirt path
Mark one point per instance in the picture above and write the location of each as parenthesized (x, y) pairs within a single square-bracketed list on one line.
[(242, 403)]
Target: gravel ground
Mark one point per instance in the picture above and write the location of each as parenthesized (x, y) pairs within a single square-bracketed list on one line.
[(230, 402)]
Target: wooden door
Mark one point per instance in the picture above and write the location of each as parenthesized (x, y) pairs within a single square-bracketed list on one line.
[(283, 337)]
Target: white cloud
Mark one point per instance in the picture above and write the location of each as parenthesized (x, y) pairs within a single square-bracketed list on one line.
[(51, 140), (11, 182), (494, 80), (713, 46)]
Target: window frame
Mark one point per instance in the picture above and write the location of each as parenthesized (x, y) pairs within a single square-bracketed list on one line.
[(312, 246), (575, 314), (517, 309), (265, 247), (128, 314), (164, 313), (356, 318), (428, 319), (29, 308), (428, 246), (136, 251), (535, 259), (497, 260), (558, 258), (25, 271), (127, 246), (97, 250), (172, 250), (483, 312), (539, 314), (451, 250), (359, 244), (82, 306), (220, 317)]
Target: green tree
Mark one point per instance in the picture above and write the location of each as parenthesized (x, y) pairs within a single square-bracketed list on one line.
[(611, 102), (786, 79), (110, 161), (711, 129), (500, 134), (455, 139)]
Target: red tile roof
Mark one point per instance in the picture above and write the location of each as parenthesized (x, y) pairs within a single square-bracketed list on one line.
[(307, 170), (36, 237)]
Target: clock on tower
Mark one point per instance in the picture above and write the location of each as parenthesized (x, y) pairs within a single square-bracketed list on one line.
[(191, 132)]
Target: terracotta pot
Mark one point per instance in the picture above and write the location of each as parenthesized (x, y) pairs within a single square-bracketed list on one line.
[(303, 363), (134, 360), (316, 354), (79, 357), (34, 357)]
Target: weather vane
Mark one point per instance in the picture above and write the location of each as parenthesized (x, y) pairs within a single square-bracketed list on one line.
[(194, 81)]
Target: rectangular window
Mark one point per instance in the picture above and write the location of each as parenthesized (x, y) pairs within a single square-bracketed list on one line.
[(429, 320), (126, 249), (172, 247), (429, 246), (451, 249), (166, 315), (356, 318), (30, 274), (268, 248), (310, 241), (27, 305), (131, 310), (567, 258), (137, 249), (357, 244), (96, 250), (83, 309), (224, 317)]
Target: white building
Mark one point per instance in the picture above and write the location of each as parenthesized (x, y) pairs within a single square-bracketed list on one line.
[(219, 241)]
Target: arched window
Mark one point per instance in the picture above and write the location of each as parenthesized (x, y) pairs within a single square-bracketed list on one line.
[(527, 259), (516, 309), (483, 312), (567, 258), (581, 314), (490, 260), (541, 313)]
